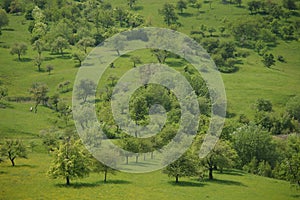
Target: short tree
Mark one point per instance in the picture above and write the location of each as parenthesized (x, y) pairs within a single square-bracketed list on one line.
[(182, 167), (39, 92), (168, 12), (70, 161), (135, 60), (3, 92), (180, 5), (222, 156), (59, 44), (39, 46), (38, 62), (19, 49), (49, 68), (79, 56), (131, 3), (84, 89), (13, 149), (263, 105), (293, 107), (108, 159), (268, 60), (85, 42)]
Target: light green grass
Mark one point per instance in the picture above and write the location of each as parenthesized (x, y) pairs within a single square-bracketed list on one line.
[(28, 180)]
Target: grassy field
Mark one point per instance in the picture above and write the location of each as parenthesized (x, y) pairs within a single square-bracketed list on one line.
[(28, 179)]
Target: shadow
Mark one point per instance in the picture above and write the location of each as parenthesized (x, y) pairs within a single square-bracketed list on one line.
[(4, 105), (230, 114), (23, 60), (48, 58), (8, 29), (2, 172), (175, 63), (115, 182), (125, 56), (137, 8), (226, 182), (185, 14), (78, 185), (233, 173), (186, 184), (25, 165), (295, 196)]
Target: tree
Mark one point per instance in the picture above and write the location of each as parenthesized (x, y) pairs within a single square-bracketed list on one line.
[(85, 42), (268, 60), (38, 62), (19, 49), (39, 92), (135, 60), (120, 15), (49, 68), (79, 56), (222, 156), (59, 44), (263, 105), (168, 12), (70, 161), (13, 149), (3, 19), (107, 159), (139, 109), (181, 4), (289, 4), (211, 30), (182, 167), (39, 46), (131, 3), (65, 111), (161, 55), (293, 107), (3, 92), (252, 141), (85, 88), (239, 2)]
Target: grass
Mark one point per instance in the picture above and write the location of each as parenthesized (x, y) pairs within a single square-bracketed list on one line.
[(28, 180)]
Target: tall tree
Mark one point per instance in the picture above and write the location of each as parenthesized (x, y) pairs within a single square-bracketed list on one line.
[(19, 49), (13, 149), (39, 46), (85, 42), (168, 12)]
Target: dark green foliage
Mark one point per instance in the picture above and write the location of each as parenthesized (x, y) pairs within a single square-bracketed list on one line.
[(168, 12), (180, 5), (293, 107), (268, 60), (263, 105), (39, 92), (19, 49)]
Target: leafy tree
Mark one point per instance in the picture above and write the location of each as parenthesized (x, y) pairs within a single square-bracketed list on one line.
[(252, 141), (120, 15), (19, 49), (64, 86), (131, 3), (79, 56), (85, 42), (182, 167), (268, 60), (222, 156), (38, 62), (254, 6), (39, 46), (59, 44), (65, 112), (100, 167), (289, 4), (135, 60), (3, 19), (139, 109), (39, 92), (239, 2), (3, 92), (198, 5), (293, 107), (211, 30), (180, 5), (85, 88), (263, 105), (161, 55), (49, 68), (13, 149), (168, 12), (70, 161)]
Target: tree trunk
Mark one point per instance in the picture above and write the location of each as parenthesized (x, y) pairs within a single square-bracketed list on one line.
[(137, 158), (67, 180), (12, 162), (152, 156), (210, 175), (144, 156), (126, 160), (19, 56), (177, 176), (105, 175)]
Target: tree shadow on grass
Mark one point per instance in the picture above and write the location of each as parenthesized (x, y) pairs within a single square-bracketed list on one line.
[(25, 165), (186, 184), (23, 60), (295, 196), (3, 172), (233, 173), (185, 14), (78, 185), (227, 182)]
